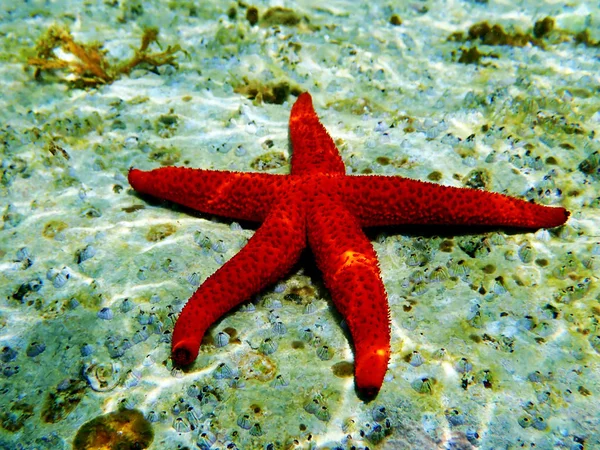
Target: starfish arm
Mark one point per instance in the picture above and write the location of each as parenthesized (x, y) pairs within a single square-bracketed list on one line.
[(313, 150), (237, 195), (267, 256), (351, 273), (389, 200)]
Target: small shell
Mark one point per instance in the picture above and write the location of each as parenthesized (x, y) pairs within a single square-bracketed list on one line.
[(280, 382), (59, 279), (202, 241), (8, 354), (524, 421), (222, 371), (240, 151), (243, 421), (126, 344), (526, 253), (274, 303), (268, 347), (379, 413), (278, 328), (307, 335), (310, 308), (152, 416), (206, 440), (192, 417), (256, 430), (141, 275), (349, 426), (219, 246), (133, 378), (171, 319), (105, 314), (140, 336), (84, 254), (312, 406), (439, 274), (322, 413), (420, 288), (115, 351), (87, 350), (73, 303), (539, 423), (440, 353), (23, 254), (463, 365), (237, 383), (422, 385), (193, 390), (126, 305), (458, 268), (157, 327), (454, 417), (194, 279), (35, 349), (415, 359), (102, 377), (181, 425), (376, 434), (222, 339), (325, 353), (498, 287)]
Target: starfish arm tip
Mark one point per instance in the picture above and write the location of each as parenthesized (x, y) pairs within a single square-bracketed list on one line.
[(134, 177), (553, 217), (184, 353), (370, 371)]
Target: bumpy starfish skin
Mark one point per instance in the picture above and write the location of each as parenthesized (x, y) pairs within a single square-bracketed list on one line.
[(318, 202)]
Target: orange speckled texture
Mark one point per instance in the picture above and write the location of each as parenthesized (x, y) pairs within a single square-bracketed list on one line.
[(320, 203)]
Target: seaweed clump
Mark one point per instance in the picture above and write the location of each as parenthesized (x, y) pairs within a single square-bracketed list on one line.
[(544, 31), (473, 56), (88, 66), (494, 34), (280, 16), (273, 93)]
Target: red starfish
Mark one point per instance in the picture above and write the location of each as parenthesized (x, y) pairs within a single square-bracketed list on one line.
[(318, 202)]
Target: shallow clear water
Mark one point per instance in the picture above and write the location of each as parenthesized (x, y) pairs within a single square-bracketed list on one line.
[(495, 337)]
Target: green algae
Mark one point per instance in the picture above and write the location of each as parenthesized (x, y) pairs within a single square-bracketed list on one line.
[(165, 156), (278, 15), (268, 161), (166, 125), (472, 55), (252, 15), (16, 416), (61, 401), (157, 233), (494, 34), (273, 93), (123, 430), (395, 20), (53, 227)]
